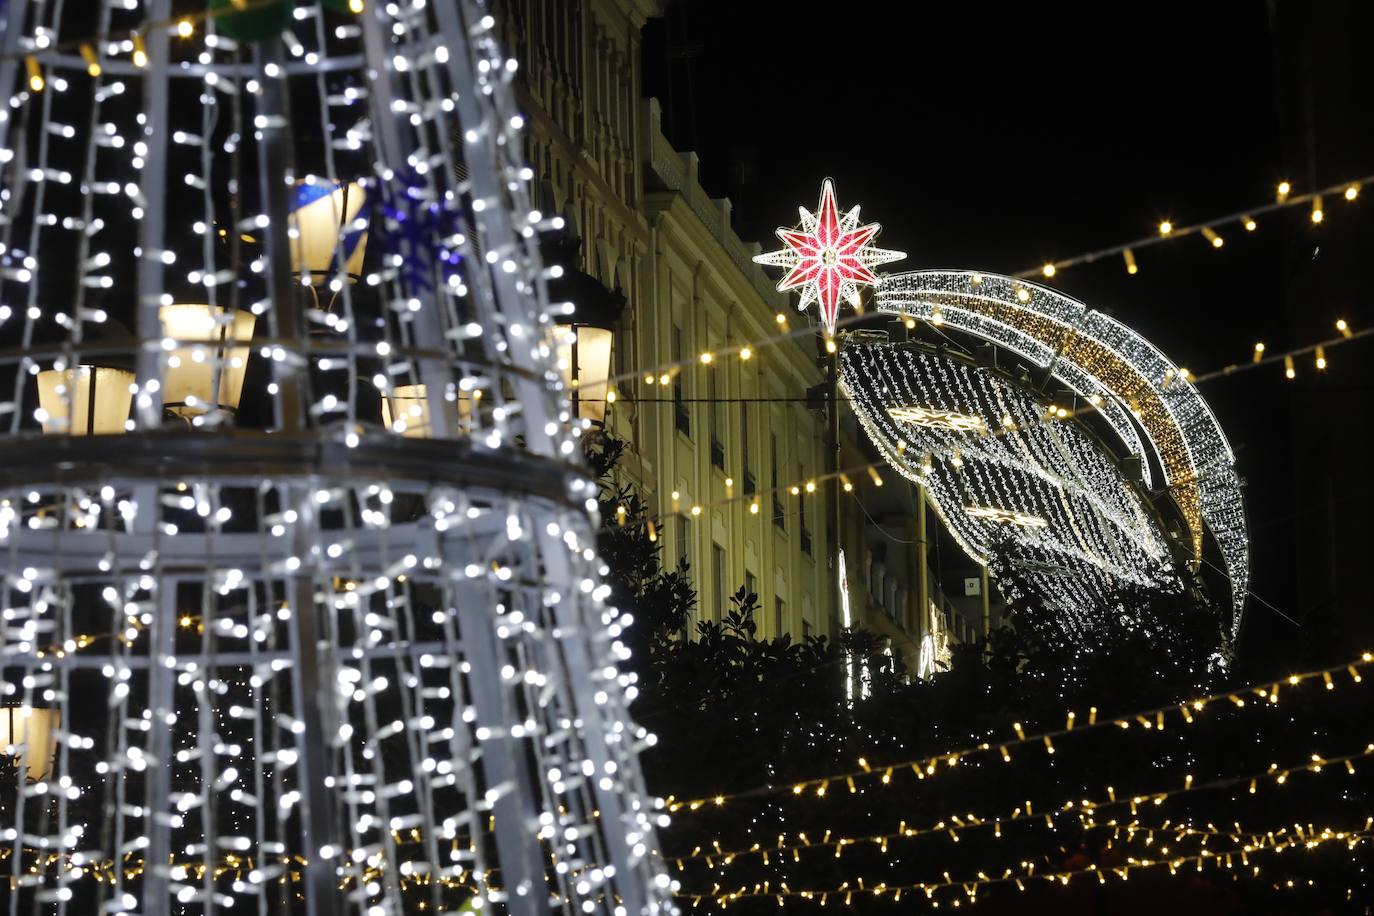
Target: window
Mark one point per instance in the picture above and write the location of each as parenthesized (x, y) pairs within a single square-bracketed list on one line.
[(681, 415), (716, 417), (779, 516), (806, 629), (720, 572), (801, 508), (683, 536), (779, 617), (746, 463), (751, 584)]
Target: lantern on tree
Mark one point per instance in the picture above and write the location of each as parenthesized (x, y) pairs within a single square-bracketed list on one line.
[(326, 229), (204, 343), (84, 401)]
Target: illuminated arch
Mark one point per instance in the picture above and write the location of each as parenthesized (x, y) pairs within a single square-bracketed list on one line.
[(1116, 369)]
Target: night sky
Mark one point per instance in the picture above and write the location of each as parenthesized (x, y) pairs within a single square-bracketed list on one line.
[(997, 136)]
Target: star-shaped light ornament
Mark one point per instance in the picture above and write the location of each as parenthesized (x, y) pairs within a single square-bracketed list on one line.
[(829, 257)]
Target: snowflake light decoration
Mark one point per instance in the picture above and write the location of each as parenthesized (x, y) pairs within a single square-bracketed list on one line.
[(829, 257), (938, 419)]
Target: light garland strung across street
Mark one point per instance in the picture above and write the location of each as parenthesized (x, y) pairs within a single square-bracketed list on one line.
[(336, 611), (1262, 358), (927, 767), (1251, 841), (1113, 368), (1060, 414), (1245, 219), (847, 893), (662, 374), (1041, 499), (1029, 813)]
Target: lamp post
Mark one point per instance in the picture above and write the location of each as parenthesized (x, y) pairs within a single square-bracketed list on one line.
[(586, 340), (584, 355)]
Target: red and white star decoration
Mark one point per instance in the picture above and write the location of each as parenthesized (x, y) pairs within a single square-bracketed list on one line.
[(829, 257)]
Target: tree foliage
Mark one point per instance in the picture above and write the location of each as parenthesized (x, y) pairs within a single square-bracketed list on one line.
[(735, 713)]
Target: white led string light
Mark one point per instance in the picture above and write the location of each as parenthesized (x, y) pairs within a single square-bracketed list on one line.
[(353, 668), (1029, 489), (1101, 360)]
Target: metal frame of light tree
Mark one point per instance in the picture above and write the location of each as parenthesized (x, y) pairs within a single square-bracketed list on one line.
[(1126, 378), (327, 637), (1011, 486)]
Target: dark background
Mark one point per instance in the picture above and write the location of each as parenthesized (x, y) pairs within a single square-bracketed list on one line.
[(998, 136)]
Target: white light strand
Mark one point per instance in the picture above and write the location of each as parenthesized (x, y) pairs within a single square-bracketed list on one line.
[(1099, 358)]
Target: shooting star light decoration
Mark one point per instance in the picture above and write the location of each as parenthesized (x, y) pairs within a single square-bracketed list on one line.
[(829, 257)]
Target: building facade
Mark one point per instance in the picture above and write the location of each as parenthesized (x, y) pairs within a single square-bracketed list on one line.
[(728, 450)]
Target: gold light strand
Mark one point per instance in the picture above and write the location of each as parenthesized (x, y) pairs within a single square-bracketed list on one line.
[(1168, 229), (1151, 718), (952, 825), (1260, 357), (969, 886)]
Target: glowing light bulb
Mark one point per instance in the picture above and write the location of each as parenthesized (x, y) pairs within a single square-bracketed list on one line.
[(1129, 257), (1317, 214), (1259, 352), (1166, 227), (1288, 369), (185, 28), (36, 82), (1211, 235), (1321, 358), (92, 62), (745, 352), (1249, 223), (780, 318), (1284, 189), (1048, 270), (1352, 192), (706, 358), (1343, 327)]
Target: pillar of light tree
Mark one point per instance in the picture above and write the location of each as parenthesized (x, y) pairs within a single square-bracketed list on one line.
[(296, 557)]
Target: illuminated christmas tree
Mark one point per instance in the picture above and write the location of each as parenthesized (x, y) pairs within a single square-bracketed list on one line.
[(301, 611)]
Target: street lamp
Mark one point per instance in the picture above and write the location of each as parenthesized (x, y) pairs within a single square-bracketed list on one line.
[(584, 356), (84, 401), (203, 342), (325, 219), (586, 336), (28, 735)]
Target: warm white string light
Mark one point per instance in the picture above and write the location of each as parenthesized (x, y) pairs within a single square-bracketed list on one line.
[(1168, 230)]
